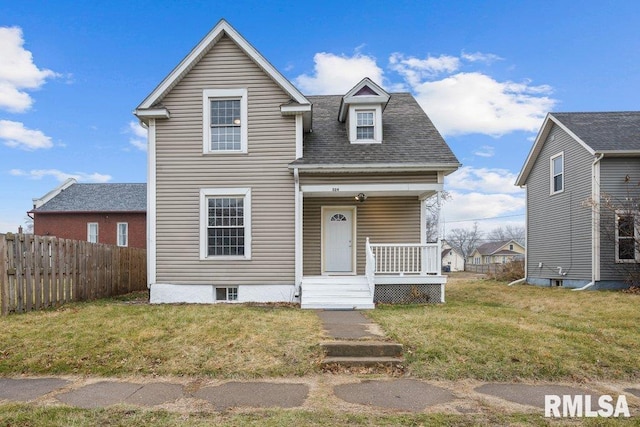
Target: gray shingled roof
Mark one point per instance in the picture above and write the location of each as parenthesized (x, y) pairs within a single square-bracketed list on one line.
[(605, 131), (491, 247), (99, 198), (409, 137)]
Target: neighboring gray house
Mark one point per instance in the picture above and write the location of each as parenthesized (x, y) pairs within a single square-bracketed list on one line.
[(579, 176), (496, 253), (260, 193)]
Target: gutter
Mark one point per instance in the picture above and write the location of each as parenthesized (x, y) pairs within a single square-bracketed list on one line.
[(595, 228)]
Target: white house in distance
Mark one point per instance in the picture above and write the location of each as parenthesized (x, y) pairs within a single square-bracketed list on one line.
[(452, 260), (259, 193)]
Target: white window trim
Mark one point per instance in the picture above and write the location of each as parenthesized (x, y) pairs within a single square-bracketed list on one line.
[(205, 193), (636, 236), (552, 176), (89, 224), (118, 242), (377, 123), (212, 94)]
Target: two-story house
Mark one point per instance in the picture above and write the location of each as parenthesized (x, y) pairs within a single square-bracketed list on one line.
[(259, 193), (581, 179)]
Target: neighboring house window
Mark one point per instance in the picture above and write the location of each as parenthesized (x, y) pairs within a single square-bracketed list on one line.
[(557, 173), (626, 237), (224, 113), (92, 232), (225, 223), (123, 234), (365, 125)]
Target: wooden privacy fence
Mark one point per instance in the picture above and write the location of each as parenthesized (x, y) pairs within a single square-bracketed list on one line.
[(37, 272), (492, 268)]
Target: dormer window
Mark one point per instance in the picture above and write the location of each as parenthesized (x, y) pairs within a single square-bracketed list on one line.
[(365, 125), (361, 108)]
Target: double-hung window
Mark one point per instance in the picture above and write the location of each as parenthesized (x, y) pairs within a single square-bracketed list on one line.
[(92, 232), (224, 113), (557, 173), (627, 236), (225, 215), (365, 125), (123, 234)]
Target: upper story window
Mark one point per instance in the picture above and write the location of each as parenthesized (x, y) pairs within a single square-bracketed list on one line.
[(224, 113), (365, 125), (557, 173), (92, 232), (123, 234)]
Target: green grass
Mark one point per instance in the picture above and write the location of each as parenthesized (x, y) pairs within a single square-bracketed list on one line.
[(120, 338), (29, 415), (488, 331)]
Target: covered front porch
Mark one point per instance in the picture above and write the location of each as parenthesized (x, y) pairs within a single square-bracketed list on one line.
[(361, 242)]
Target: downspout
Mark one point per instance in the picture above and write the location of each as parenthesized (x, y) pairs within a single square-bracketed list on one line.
[(297, 234), (595, 227)]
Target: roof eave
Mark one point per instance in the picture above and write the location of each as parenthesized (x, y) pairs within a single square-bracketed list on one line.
[(447, 168)]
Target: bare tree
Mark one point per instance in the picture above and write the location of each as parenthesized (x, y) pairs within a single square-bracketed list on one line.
[(508, 232), (28, 224), (433, 206), (465, 240)]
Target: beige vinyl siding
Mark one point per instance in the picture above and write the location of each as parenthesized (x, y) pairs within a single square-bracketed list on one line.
[(183, 169), (356, 178), (382, 219), (559, 225), (612, 178)]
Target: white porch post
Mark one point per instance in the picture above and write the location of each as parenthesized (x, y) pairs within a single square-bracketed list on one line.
[(423, 235)]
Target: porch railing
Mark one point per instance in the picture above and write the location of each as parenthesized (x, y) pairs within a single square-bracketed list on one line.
[(406, 258), (370, 269)]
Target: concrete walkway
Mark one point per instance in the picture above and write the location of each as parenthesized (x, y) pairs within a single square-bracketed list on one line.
[(338, 392)]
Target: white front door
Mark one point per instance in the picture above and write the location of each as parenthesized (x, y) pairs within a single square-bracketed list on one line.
[(339, 245)]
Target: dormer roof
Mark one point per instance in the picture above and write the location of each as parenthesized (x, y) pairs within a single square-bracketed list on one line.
[(365, 92)]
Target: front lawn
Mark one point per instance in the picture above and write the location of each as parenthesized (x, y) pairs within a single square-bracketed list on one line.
[(120, 338), (489, 331)]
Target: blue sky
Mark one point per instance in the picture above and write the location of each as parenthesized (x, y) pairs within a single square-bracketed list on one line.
[(486, 73)]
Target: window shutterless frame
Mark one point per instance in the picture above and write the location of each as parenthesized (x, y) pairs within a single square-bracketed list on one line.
[(626, 235), (556, 167), (92, 232), (224, 121), (225, 224), (123, 234)]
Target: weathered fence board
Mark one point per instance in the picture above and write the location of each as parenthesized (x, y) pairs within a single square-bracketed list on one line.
[(38, 272)]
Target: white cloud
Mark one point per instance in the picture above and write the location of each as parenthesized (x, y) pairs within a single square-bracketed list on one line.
[(485, 151), (467, 103), (138, 135), (480, 57), (485, 180), (61, 176), (463, 209), (336, 74), (14, 134), (415, 70), (18, 72)]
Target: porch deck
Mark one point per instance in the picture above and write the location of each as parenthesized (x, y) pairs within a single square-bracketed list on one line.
[(399, 273)]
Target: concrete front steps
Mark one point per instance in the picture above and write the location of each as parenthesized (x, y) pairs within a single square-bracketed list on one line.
[(362, 353), (336, 293)]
